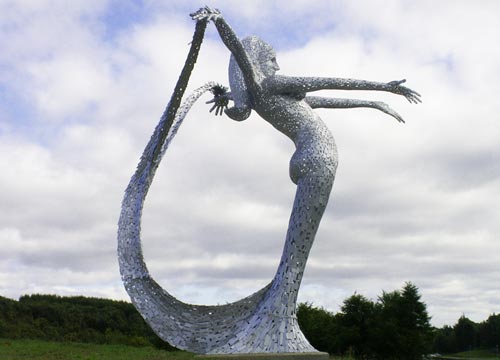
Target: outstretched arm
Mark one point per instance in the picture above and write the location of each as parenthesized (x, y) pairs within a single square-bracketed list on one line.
[(280, 84), (232, 42), (332, 103)]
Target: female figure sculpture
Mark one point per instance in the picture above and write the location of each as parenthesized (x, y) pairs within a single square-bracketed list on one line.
[(282, 101), (264, 322)]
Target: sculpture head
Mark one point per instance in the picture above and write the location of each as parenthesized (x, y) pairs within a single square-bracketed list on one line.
[(263, 58)]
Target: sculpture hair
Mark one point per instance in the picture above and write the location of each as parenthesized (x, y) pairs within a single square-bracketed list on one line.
[(254, 47)]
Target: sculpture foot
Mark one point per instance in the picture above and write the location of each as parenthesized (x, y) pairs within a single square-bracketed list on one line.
[(267, 356), (267, 333)]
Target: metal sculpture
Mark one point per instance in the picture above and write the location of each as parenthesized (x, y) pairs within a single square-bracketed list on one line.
[(266, 321)]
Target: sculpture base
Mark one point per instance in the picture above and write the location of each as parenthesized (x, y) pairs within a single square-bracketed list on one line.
[(266, 356)]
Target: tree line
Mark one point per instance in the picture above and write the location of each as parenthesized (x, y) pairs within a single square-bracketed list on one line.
[(467, 335), (78, 319), (395, 326)]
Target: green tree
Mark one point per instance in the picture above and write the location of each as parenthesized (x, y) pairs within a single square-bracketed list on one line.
[(404, 329), (356, 323), (444, 340), (489, 332), (318, 326), (465, 334)]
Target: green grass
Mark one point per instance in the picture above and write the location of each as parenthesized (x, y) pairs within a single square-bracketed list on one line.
[(476, 354), (472, 355), (45, 350), (48, 350)]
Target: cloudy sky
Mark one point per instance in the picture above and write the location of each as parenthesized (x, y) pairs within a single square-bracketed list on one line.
[(83, 84)]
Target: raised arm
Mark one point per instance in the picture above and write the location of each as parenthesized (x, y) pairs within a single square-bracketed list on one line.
[(232, 42), (332, 103), (280, 84)]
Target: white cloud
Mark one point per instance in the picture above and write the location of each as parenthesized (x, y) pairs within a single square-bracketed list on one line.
[(68, 84)]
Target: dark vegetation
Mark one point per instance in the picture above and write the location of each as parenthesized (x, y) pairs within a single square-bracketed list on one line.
[(77, 319), (396, 326), (466, 336)]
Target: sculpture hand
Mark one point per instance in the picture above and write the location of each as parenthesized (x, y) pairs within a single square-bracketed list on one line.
[(385, 108), (205, 14), (220, 100), (410, 95)]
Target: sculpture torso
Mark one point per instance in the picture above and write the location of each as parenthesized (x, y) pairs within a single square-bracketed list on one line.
[(316, 152), (285, 110)]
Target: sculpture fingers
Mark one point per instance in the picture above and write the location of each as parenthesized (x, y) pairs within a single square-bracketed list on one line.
[(410, 99), (382, 106), (398, 117), (395, 115), (411, 95), (221, 109), (198, 14), (205, 13), (415, 93), (413, 98)]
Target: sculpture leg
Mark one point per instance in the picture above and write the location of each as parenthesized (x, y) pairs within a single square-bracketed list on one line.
[(274, 327), (310, 203)]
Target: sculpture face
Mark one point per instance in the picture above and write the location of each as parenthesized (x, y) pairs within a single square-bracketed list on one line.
[(262, 55), (268, 64)]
